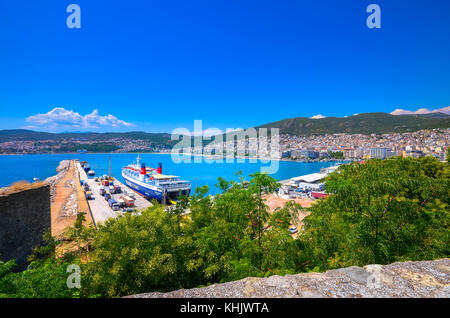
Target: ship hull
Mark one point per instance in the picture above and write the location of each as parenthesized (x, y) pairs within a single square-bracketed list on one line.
[(152, 192)]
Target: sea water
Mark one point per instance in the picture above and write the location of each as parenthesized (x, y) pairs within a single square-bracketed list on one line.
[(26, 167)]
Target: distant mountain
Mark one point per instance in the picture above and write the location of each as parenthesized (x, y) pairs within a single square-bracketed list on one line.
[(23, 134), (368, 123)]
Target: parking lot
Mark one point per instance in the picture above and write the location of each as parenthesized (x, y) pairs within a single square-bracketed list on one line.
[(99, 206)]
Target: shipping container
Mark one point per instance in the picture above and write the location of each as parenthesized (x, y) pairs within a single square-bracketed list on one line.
[(128, 201)]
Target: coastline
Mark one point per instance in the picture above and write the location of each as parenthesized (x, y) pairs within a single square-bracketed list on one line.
[(43, 166), (169, 153)]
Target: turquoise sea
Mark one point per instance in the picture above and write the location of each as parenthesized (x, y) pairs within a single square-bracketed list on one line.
[(26, 167)]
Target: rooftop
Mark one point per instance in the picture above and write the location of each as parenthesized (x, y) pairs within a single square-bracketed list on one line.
[(310, 178)]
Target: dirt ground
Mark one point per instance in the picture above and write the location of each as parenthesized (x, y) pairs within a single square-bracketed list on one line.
[(62, 199), (60, 222), (274, 201)]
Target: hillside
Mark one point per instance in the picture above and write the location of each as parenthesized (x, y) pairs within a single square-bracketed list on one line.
[(23, 134), (368, 123)]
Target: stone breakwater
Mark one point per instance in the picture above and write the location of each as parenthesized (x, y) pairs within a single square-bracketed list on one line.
[(70, 207), (62, 169), (405, 280)]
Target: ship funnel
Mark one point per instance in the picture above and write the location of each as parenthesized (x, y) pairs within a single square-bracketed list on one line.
[(143, 169), (159, 170)]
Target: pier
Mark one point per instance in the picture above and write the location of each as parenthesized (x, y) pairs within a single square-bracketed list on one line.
[(101, 211)]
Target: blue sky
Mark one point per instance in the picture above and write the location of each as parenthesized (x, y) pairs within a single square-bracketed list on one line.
[(158, 65)]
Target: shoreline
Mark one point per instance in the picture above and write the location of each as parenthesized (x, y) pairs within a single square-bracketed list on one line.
[(212, 157)]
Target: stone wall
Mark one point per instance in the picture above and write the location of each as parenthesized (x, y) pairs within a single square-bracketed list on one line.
[(406, 279), (24, 217)]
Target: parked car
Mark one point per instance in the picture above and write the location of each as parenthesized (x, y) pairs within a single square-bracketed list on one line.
[(88, 195), (129, 193), (293, 230), (107, 196), (102, 191)]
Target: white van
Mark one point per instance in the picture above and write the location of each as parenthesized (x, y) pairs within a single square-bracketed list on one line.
[(129, 193)]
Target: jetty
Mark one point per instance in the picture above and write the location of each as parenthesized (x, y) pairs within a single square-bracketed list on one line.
[(98, 206), (67, 198)]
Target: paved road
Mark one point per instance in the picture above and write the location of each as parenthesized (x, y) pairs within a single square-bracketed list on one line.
[(99, 206), (139, 201)]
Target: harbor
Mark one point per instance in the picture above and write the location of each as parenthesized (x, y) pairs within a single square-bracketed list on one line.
[(67, 198), (101, 208), (306, 186)]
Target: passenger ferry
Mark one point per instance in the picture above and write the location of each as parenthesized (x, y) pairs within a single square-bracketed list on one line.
[(152, 184)]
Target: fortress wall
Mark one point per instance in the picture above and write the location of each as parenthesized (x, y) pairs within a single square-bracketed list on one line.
[(24, 217)]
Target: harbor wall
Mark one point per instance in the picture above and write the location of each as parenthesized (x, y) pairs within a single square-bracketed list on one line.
[(24, 218)]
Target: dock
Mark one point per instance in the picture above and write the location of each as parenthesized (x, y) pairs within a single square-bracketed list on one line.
[(101, 211)]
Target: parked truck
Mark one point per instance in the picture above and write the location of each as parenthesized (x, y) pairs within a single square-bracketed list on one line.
[(121, 202), (113, 204), (129, 202)]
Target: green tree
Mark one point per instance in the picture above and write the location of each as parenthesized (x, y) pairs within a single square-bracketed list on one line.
[(45, 278), (382, 211), (337, 155), (137, 253)]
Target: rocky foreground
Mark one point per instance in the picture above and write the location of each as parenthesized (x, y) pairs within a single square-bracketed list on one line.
[(405, 279)]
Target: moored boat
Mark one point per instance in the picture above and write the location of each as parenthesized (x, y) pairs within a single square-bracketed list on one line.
[(153, 184)]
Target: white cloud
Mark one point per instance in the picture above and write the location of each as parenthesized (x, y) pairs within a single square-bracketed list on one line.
[(319, 116), (445, 110), (59, 118), (213, 132)]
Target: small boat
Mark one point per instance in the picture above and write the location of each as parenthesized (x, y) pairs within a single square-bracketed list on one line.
[(91, 173)]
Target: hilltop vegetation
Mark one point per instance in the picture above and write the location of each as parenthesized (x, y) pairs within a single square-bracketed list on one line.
[(380, 212), (368, 123), (23, 134)]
